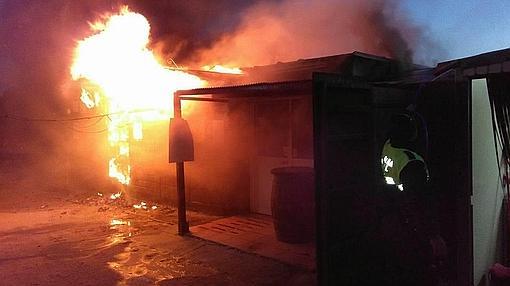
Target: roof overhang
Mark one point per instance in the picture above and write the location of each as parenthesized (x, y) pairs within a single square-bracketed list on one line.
[(256, 91)]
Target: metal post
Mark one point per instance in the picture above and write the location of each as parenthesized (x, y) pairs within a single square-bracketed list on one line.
[(183, 227), (181, 197)]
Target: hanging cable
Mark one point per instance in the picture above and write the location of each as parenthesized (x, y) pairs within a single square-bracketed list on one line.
[(100, 116)]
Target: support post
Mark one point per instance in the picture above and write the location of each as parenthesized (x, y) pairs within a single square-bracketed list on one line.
[(181, 199), (183, 227)]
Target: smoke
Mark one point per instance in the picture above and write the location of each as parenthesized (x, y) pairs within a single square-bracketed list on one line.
[(39, 36), (284, 31), (179, 28)]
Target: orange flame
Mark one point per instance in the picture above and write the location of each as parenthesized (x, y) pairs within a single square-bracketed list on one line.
[(133, 86), (223, 69)]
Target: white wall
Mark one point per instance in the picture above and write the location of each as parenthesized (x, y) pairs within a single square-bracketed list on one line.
[(487, 189)]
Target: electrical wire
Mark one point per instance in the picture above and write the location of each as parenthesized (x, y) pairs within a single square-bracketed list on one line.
[(22, 118), (85, 131), (93, 124), (80, 129), (100, 116)]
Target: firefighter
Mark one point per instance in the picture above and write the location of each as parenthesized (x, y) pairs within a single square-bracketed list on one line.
[(409, 227), (401, 166)]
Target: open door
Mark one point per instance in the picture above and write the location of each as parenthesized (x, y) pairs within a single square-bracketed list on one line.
[(273, 139), (283, 130), (349, 120)]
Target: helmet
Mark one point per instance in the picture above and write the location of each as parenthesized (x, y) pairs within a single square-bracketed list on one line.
[(403, 128)]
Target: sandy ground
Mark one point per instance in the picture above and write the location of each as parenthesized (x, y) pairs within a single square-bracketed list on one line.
[(49, 238)]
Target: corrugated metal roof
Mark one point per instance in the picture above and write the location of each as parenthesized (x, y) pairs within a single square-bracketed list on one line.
[(478, 65), (355, 64), (289, 78), (285, 88)]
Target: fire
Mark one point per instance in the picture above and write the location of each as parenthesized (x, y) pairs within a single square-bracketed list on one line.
[(223, 69), (132, 86), (115, 196)]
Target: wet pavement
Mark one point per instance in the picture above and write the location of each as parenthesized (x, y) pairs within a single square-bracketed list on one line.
[(98, 241)]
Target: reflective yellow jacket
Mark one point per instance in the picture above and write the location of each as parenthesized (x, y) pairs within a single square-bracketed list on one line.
[(394, 160)]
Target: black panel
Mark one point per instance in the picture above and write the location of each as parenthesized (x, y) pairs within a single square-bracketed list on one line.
[(349, 127)]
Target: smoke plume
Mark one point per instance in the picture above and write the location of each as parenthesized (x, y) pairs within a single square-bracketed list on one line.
[(39, 36), (284, 31)]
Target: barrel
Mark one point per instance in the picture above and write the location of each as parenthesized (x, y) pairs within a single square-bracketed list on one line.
[(292, 204)]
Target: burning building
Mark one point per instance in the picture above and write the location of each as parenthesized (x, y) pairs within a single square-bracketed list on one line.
[(256, 121), (325, 115)]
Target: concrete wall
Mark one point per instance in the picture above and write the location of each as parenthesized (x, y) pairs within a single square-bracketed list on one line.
[(487, 189)]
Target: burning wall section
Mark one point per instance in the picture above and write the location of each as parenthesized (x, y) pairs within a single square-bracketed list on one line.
[(123, 80), (131, 87)]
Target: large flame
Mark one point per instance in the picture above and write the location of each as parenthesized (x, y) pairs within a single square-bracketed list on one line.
[(132, 85), (223, 69)]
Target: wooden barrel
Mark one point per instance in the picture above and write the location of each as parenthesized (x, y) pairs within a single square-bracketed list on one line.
[(292, 204)]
